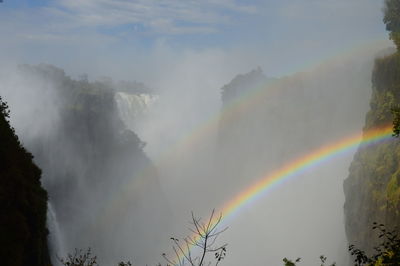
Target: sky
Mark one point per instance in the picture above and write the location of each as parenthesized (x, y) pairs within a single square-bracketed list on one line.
[(191, 48), (129, 38)]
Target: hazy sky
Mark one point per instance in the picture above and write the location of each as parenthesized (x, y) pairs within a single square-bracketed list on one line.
[(282, 36)]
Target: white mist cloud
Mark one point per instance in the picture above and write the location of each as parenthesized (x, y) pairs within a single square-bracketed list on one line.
[(147, 40), (121, 38)]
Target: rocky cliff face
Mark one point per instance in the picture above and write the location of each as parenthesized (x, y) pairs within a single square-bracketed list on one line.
[(266, 124), (266, 121), (23, 203), (372, 188), (104, 189)]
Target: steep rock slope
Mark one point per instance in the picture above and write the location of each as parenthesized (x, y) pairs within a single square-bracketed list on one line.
[(266, 121), (23, 202), (104, 189), (372, 188), (265, 125)]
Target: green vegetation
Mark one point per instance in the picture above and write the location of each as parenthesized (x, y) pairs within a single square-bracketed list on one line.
[(23, 202), (87, 155), (387, 252), (372, 188), (80, 258), (288, 262), (84, 258), (392, 20)]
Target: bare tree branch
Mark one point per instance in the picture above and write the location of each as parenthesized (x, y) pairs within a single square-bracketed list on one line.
[(202, 241)]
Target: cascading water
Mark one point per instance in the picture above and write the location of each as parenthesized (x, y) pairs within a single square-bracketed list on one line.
[(260, 129), (106, 191), (103, 189), (55, 238), (132, 106)]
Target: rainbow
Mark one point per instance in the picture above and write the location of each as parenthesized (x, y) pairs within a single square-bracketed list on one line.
[(303, 163), (259, 189), (245, 102), (209, 125), (313, 159)]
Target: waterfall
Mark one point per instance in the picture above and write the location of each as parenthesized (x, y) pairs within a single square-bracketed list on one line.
[(55, 237), (132, 106)]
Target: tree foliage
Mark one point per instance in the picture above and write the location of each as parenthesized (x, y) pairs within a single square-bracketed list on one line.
[(392, 20), (288, 262), (84, 258), (23, 202), (396, 121), (387, 253), (80, 258)]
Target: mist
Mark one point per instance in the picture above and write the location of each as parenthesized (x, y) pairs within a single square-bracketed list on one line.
[(87, 155), (198, 154), (138, 120), (231, 147)]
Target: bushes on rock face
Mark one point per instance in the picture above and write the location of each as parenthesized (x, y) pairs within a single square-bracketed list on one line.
[(392, 20), (23, 202), (372, 189), (387, 252)]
